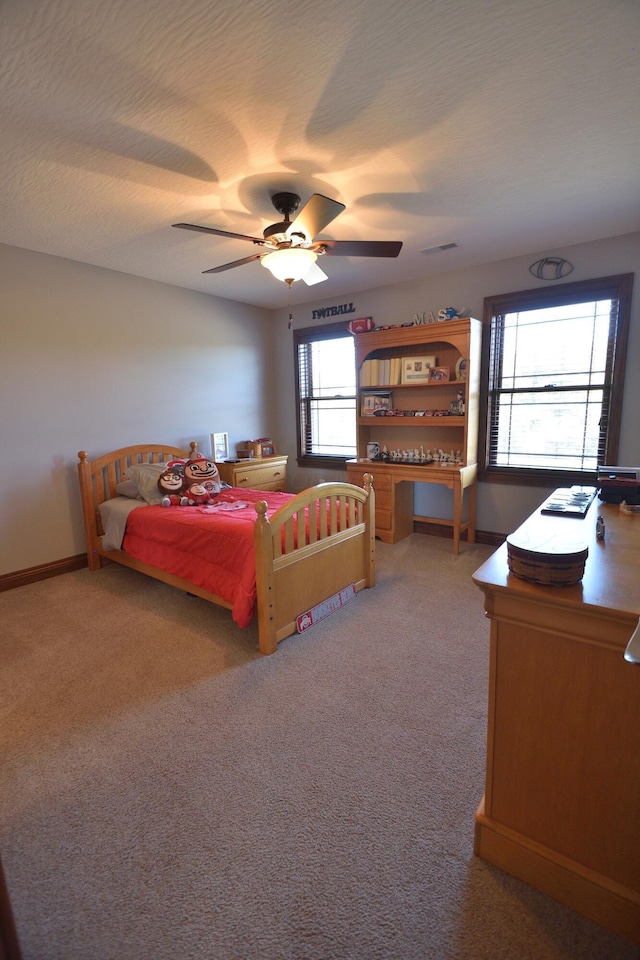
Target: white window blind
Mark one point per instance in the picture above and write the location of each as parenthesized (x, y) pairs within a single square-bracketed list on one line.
[(554, 381), (326, 393)]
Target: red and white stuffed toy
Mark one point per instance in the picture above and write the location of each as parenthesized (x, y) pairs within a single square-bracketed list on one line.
[(202, 480), (172, 484), (197, 495)]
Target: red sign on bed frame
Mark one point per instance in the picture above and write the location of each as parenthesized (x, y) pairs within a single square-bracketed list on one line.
[(322, 610)]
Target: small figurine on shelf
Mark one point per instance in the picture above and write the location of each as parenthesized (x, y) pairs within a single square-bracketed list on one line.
[(457, 407), (447, 313)]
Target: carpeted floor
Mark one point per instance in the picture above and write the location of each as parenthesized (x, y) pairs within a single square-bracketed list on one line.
[(169, 793)]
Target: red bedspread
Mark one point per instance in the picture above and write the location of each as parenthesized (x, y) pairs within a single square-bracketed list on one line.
[(207, 546)]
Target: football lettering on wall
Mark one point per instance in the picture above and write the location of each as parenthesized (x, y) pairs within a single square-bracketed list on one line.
[(335, 311)]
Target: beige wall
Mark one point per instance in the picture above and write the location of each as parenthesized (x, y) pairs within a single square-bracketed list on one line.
[(501, 508), (93, 359)]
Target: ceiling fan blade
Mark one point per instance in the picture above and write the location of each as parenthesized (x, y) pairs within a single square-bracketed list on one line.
[(315, 275), (218, 233), (358, 248), (235, 263), (317, 212)]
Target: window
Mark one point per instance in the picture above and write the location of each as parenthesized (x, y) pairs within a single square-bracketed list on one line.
[(553, 377), (326, 395)]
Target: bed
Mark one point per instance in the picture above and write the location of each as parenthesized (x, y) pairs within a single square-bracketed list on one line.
[(298, 552)]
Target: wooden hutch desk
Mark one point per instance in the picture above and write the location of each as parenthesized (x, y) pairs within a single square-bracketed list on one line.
[(561, 808), (426, 422)]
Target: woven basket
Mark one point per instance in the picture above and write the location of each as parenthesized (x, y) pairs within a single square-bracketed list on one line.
[(559, 569), (551, 560)]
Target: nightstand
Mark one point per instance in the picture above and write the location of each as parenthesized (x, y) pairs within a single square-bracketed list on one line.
[(265, 473)]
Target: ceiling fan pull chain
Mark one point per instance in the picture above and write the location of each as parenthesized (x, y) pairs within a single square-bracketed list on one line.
[(289, 305)]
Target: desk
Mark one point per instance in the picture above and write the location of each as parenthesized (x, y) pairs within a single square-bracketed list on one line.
[(393, 483), (561, 808)]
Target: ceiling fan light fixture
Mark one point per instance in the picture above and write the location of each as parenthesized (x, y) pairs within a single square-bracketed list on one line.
[(290, 264)]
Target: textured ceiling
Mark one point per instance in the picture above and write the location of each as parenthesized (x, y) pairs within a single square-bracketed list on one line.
[(507, 127)]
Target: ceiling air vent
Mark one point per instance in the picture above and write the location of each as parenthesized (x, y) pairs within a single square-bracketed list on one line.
[(440, 246)]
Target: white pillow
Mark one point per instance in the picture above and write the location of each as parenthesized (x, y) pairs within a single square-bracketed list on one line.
[(128, 489), (145, 476)]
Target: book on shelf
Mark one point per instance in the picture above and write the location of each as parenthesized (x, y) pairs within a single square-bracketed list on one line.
[(384, 372)]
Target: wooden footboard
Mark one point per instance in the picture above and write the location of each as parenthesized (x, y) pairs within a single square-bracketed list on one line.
[(335, 548), (313, 547)]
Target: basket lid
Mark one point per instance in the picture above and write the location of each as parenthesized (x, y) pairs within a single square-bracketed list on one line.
[(543, 542), (538, 552)]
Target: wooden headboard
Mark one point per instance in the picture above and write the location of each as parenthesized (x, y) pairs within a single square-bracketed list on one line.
[(99, 478)]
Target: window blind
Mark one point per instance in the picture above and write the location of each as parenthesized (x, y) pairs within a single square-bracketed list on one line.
[(554, 378), (326, 394)]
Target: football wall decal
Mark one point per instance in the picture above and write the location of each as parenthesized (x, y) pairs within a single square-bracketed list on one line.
[(551, 268)]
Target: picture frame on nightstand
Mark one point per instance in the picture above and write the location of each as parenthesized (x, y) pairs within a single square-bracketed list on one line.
[(220, 446), (264, 447)]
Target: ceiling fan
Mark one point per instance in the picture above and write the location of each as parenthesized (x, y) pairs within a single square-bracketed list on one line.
[(291, 249)]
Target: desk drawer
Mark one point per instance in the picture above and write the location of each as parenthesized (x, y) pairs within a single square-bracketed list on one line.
[(383, 499), (383, 518), (383, 490), (381, 481)]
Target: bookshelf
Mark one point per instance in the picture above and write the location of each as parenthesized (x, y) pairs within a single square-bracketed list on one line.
[(417, 421)]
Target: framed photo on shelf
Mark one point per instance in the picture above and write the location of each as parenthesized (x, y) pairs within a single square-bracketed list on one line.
[(416, 369), (461, 368), (220, 446), (372, 402), (438, 374)]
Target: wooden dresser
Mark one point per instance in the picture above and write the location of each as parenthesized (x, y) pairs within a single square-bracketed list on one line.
[(561, 808), (266, 473)]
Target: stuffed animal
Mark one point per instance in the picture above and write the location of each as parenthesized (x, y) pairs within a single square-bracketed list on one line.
[(197, 495), (202, 474), (172, 484)]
